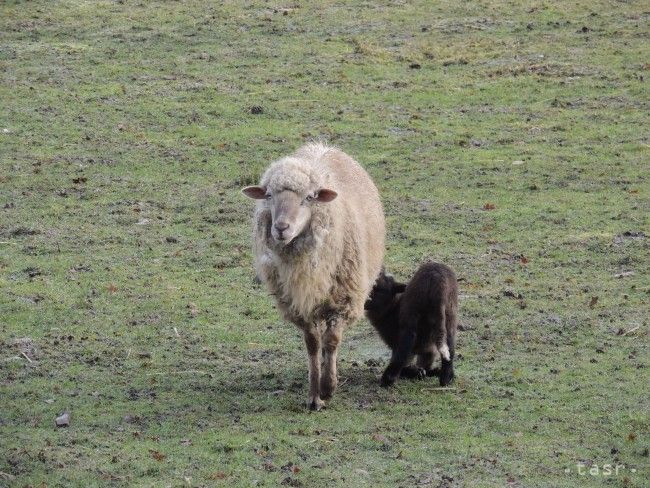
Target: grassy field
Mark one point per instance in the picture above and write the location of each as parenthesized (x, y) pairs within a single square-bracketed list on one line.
[(508, 139)]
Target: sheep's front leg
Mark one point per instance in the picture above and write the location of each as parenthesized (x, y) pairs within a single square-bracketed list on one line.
[(313, 343), (331, 341)]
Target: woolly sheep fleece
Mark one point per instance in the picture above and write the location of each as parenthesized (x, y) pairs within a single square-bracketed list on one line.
[(332, 265)]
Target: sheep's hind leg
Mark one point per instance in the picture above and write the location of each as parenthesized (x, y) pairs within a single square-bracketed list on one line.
[(331, 341), (312, 341)]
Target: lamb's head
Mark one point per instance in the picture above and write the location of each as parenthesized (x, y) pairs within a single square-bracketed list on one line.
[(289, 189), (384, 293)]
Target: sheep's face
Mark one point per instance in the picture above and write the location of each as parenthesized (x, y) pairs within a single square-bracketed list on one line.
[(290, 210), (384, 292)]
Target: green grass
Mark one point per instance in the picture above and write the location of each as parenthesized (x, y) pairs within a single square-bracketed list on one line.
[(126, 273)]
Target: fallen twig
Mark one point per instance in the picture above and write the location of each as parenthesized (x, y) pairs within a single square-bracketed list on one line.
[(189, 371), (176, 332), (300, 100), (26, 357), (262, 92)]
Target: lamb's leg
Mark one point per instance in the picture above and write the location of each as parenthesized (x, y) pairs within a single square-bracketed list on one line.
[(312, 341), (331, 341), (413, 372), (447, 367), (425, 361), (402, 354)]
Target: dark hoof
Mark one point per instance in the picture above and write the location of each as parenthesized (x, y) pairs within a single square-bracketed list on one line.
[(413, 372), (433, 372), (446, 378), (327, 389), (387, 381), (315, 404)]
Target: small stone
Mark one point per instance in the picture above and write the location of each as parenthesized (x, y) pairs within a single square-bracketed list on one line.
[(63, 420)]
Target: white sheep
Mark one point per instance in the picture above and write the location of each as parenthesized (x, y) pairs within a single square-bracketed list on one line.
[(319, 245)]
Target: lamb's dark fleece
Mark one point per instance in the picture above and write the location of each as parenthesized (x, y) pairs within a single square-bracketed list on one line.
[(417, 319)]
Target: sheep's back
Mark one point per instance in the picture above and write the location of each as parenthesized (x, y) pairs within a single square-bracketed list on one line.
[(364, 216)]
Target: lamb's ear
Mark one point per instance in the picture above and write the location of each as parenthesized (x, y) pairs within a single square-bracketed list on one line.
[(399, 288), (254, 192), (324, 195)]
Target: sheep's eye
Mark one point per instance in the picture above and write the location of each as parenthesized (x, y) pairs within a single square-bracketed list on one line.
[(309, 198), (267, 196)]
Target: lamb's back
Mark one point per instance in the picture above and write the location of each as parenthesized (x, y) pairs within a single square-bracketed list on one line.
[(433, 285)]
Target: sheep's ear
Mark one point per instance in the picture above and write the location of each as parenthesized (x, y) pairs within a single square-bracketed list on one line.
[(254, 192), (399, 288), (326, 195)]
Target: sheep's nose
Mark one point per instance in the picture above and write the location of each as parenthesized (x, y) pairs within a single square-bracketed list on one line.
[(281, 226)]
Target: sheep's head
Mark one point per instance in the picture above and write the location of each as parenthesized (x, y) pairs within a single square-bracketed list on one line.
[(384, 292), (290, 209)]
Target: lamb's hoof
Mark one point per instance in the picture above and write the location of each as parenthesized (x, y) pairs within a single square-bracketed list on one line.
[(315, 404), (433, 372), (446, 378), (413, 372), (387, 381)]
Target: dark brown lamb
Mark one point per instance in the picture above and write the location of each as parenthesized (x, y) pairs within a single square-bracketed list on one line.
[(417, 319)]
